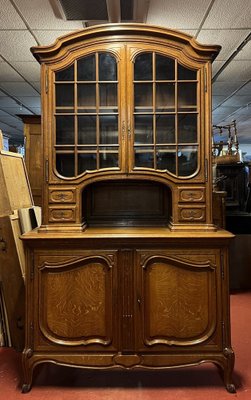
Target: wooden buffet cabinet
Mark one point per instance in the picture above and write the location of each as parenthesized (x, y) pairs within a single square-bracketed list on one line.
[(127, 269)]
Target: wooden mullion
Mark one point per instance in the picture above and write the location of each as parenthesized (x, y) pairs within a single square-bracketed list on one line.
[(154, 111), (97, 109), (75, 119), (176, 113)]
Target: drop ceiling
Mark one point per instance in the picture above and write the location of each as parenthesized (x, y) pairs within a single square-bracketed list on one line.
[(26, 23)]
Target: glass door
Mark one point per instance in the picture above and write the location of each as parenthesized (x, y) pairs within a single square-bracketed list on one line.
[(165, 115), (86, 115)]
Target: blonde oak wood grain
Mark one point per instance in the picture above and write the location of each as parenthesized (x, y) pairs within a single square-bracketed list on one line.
[(128, 269)]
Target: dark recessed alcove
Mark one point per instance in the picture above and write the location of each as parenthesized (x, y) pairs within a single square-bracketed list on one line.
[(126, 203)]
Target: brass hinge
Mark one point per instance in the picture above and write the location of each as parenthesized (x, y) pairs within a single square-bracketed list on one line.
[(222, 266), (223, 332), (205, 80), (32, 267), (206, 169), (123, 130), (46, 81), (47, 170)]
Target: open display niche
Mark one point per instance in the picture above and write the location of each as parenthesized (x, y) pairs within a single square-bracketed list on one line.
[(126, 203)]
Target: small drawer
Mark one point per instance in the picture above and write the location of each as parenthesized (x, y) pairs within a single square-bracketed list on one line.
[(62, 196), (62, 214), (191, 195), (192, 214)]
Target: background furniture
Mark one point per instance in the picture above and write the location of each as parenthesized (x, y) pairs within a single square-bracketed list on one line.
[(33, 154)]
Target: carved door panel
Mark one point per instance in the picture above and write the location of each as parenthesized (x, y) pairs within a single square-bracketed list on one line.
[(76, 297), (177, 301)]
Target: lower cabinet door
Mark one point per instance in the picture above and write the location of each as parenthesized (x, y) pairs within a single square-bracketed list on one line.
[(177, 300), (76, 298)]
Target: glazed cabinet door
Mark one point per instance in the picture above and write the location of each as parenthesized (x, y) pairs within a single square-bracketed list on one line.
[(177, 300), (165, 126), (85, 98), (75, 301)]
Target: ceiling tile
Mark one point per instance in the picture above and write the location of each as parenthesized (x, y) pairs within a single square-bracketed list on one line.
[(245, 53), (9, 129), (226, 88), (217, 100), (245, 90), (36, 110), (228, 39), (30, 70), (237, 101), (224, 110), (238, 71), (14, 109), (177, 14), (216, 66), (15, 45), (10, 120), (30, 101), (39, 15), (8, 74), (47, 37), (36, 85), (9, 18), (230, 14), (6, 101), (2, 94), (19, 89)]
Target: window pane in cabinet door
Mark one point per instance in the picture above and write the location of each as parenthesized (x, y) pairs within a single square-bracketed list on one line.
[(187, 96), (87, 68), (186, 74), (143, 129), (108, 95), (143, 67), (64, 95), (87, 95), (86, 162), (87, 129), (144, 157), (107, 67), (143, 96), (166, 158), (65, 164), (108, 129), (165, 128), (187, 160), (165, 97), (64, 129), (108, 160), (165, 68), (66, 74), (187, 128)]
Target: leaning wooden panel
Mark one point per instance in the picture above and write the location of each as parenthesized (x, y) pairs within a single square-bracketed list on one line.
[(11, 259), (15, 189)]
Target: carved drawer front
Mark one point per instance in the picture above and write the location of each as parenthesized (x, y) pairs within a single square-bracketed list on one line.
[(192, 213), (191, 195), (62, 214), (62, 196)]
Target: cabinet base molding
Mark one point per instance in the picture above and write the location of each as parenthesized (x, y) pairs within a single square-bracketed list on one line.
[(224, 361)]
